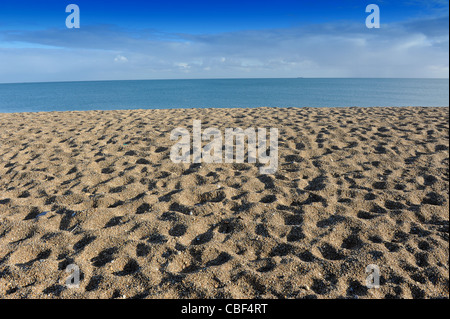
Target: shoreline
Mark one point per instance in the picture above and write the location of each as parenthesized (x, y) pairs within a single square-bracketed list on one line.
[(234, 108)]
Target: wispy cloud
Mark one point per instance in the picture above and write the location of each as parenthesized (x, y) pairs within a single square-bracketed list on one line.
[(415, 48)]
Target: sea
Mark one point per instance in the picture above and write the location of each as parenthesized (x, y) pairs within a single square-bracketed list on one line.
[(222, 93)]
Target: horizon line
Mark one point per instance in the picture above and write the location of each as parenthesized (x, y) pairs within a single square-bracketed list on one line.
[(224, 78)]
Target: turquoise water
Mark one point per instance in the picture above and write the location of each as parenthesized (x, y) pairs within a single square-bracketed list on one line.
[(161, 94)]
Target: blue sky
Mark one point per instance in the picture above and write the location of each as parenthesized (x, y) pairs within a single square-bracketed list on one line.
[(221, 39)]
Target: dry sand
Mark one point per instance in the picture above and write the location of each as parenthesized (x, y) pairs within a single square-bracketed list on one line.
[(354, 186)]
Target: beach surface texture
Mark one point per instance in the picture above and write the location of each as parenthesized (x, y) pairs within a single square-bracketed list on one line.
[(356, 190)]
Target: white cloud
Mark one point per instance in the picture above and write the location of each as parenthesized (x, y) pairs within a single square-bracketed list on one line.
[(121, 59), (417, 48)]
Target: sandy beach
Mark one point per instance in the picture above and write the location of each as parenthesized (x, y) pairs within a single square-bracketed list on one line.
[(97, 189)]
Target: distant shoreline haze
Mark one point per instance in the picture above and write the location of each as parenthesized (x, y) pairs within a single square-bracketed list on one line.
[(222, 93)]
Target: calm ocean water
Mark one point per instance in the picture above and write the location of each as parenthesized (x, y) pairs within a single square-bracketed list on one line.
[(160, 94)]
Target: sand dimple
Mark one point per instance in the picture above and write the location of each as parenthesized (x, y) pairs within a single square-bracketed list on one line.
[(354, 187)]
